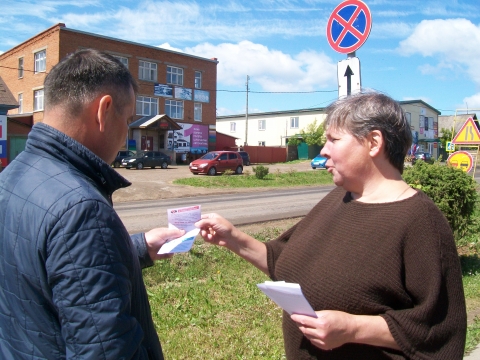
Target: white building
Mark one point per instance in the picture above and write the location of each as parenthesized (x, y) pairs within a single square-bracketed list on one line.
[(273, 128)]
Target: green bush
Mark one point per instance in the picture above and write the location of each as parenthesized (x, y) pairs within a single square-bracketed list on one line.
[(260, 171), (452, 190)]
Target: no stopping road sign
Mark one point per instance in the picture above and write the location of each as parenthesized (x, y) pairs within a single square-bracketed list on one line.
[(349, 26)]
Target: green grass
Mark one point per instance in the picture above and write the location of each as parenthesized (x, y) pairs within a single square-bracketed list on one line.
[(206, 305), (247, 180), (471, 286)]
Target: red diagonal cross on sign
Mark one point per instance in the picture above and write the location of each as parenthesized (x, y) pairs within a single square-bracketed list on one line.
[(349, 26)]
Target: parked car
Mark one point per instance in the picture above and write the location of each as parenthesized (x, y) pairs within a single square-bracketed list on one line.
[(215, 162), (318, 161), (245, 158), (147, 159), (422, 156), (122, 154)]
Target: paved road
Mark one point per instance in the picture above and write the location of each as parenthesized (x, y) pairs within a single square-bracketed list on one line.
[(240, 208)]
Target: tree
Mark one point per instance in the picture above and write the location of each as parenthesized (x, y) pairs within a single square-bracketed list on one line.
[(314, 134)]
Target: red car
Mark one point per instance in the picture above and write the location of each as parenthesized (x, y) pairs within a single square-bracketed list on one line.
[(216, 162)]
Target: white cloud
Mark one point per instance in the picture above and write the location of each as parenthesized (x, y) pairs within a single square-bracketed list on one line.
[(167, 46), (472, 102), (155, 21), (273, 70), (453, 42)]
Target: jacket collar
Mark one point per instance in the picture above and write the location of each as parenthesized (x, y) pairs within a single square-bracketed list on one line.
[(58, 145)]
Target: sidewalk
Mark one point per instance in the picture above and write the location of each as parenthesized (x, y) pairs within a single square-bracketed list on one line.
[(474, 355)]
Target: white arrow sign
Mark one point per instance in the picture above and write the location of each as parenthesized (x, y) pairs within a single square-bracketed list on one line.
[(349, 81)]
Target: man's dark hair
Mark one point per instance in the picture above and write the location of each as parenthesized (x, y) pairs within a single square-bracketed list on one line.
[(82, 76), (364, 112)]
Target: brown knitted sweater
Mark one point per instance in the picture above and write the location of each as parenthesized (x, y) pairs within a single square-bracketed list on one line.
[(397, 260)]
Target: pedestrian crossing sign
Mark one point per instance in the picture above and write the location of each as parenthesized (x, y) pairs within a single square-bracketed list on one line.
[(468, 134)]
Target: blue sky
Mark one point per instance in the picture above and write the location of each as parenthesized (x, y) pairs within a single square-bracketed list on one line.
[(427, 50)]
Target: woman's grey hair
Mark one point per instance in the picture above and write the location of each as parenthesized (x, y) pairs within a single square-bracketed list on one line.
[(362, 113), (82, 76)]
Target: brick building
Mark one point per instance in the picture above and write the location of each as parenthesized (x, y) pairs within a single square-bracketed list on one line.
[(180, 86)]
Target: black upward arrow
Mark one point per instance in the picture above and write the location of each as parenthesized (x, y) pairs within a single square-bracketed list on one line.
[(348, 74)]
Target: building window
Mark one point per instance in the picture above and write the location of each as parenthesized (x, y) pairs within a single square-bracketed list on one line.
[(294, 122), (20, 103), (147, 106), (261, 143), (261, 124), (147, 70), (408, 116), (197, 113), (20, 68), (198, 79), (123, 60), (174, 109), (40, 61), (233, 127), (38, 100), (174, 75)]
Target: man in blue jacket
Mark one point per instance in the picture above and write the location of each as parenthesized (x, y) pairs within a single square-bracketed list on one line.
[(70, 274)]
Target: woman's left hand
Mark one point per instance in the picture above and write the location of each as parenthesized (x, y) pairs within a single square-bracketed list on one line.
[(330, 330)]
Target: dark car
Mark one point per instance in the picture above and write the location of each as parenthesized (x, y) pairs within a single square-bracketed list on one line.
[(147, 159), (122, 154), (245, 157), (422, 156), (217, 161)]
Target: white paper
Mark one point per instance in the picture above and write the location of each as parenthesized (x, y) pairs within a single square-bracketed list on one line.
[(288, 296), (184, 219), (181, 244)]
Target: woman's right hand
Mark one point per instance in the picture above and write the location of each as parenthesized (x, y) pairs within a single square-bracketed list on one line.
[(216, 230)]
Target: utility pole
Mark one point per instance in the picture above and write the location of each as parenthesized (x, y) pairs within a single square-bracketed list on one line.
[(246, 116)]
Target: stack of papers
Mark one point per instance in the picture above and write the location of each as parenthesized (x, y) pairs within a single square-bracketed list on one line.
[(185, 219), (288, 296)]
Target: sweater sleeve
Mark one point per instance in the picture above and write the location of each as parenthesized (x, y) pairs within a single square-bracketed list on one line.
[(275, 248), (90, 268), (434, 327)]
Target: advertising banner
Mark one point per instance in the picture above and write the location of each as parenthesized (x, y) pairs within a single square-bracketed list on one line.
[(201, 96), (3, 140), (183, 93), (192, 138), (163, 90)]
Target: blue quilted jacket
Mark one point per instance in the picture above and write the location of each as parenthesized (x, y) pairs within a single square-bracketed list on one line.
[(70, 274)]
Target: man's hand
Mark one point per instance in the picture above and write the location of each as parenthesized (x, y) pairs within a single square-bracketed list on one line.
[(155, 238)]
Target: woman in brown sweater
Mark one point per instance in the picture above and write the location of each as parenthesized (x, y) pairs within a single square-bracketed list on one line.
[(375, 258)]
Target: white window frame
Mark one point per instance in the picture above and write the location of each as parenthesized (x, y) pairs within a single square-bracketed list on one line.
[(174, 75), (21, 67), (38, 100), (122, 59), (261, 143), (147, 70), (197, 111), (146, 105), (40, 61), (262, 125), (233, 127), (198, 79), (294, 122), (20, 103), (408, 116), (174, 109)]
